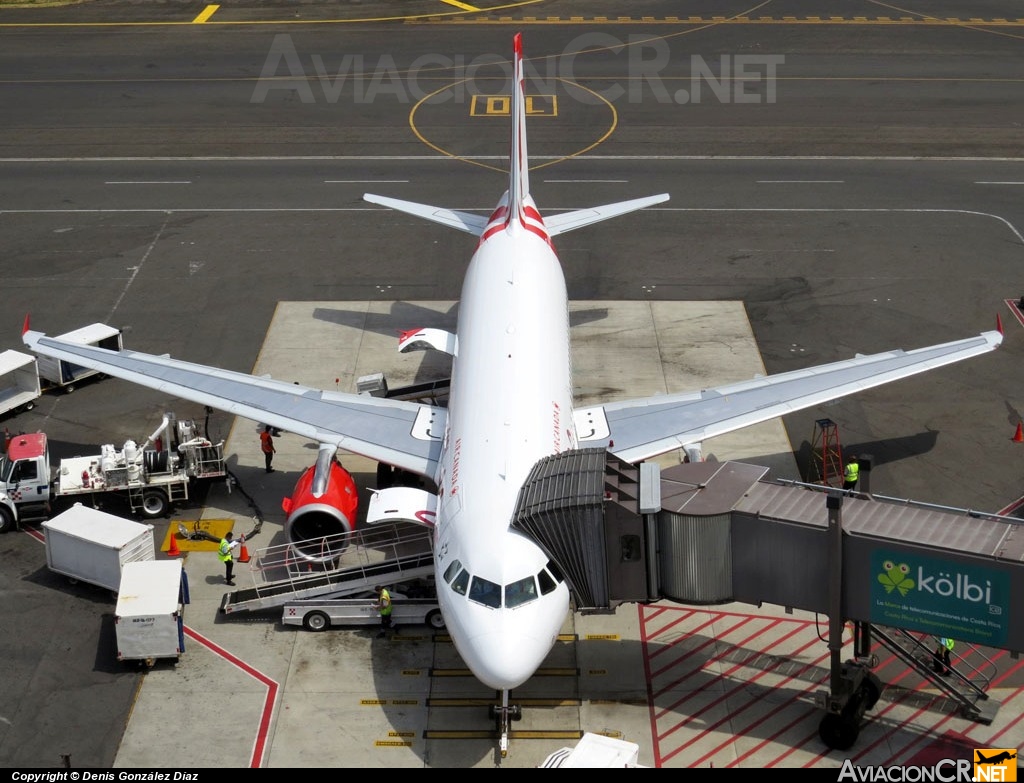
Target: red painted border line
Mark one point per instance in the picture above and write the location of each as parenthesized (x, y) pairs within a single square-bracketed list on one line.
[(729, 717), (260, 743)]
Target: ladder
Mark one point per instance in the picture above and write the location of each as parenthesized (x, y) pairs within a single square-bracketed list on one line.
[(826, 464)]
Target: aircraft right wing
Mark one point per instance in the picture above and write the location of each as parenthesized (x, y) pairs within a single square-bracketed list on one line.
[(643, 428), (404, 434)]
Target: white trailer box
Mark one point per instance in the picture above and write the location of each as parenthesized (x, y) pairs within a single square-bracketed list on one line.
[(57, 372), (92, 546), (150, 611), (19, 381)]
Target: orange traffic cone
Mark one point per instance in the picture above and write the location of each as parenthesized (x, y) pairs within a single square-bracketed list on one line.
[(173, 550), (1018, 436), (243, 555)]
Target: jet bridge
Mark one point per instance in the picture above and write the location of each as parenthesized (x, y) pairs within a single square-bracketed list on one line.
[(903, 572)]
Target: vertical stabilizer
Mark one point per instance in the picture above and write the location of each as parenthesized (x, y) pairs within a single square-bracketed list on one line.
[(519, 175)]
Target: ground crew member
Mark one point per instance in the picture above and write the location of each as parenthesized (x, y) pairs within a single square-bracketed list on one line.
[(384, 608), (224, 552), (267, 447), (943, 653), (851, 474)]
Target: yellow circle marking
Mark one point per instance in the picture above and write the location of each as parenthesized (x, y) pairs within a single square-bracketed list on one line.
[(416, 131)]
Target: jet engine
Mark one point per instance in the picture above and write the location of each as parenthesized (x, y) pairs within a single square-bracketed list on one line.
[(317, 527)]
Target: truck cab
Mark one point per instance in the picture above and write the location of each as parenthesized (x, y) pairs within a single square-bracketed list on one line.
[(25, 480)]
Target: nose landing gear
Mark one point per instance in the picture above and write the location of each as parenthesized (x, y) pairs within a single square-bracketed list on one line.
[(503, 715)]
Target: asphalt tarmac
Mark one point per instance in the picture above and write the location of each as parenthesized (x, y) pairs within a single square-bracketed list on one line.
[(143, 187)]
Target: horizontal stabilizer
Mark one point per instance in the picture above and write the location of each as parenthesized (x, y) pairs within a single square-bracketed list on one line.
[(570, 221), (463, 221)]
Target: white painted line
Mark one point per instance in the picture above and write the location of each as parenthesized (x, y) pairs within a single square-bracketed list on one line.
[(800, 182), (148, 182), (994, 182), (783, 250), (363, 181), (448, 159), (585, 181)]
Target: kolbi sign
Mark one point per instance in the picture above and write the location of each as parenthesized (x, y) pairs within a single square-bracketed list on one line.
[(940, 597)]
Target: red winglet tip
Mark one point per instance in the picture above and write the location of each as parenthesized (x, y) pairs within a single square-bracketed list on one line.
[(406, 334), (999, 323), (517, 44), (25, 327)]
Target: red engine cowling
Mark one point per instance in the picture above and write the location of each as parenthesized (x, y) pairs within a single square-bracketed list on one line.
[(316, 527)]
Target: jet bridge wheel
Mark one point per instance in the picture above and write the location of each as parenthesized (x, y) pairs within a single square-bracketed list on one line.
[(838, 732)]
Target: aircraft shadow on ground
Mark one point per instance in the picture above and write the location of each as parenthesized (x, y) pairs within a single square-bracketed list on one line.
[(882, 452)]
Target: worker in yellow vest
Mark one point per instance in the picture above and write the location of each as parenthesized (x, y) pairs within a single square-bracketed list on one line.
[(384, 609), (943, 655), (224, 553), (851, 474)]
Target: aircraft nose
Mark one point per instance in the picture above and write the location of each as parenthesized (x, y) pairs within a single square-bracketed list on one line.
[(504, 666)]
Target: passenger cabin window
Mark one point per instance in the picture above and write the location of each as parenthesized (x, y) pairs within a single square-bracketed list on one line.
[(484, 592), (520, 592)]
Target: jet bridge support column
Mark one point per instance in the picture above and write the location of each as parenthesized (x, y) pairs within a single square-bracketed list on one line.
[(853, 689)]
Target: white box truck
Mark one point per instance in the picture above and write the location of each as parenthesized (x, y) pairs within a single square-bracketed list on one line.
[(150, 613), (19, 382), (63, 374), (88, 545)]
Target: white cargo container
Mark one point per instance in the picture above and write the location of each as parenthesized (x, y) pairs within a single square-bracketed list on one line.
[(150, 614), (89, 545), (64, 374), (19, 382)]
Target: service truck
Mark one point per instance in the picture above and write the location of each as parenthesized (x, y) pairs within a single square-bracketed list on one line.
[(150, 477), (320, 614), (413, 602)]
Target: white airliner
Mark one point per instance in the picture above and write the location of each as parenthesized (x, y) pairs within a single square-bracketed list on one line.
[(510, 405)]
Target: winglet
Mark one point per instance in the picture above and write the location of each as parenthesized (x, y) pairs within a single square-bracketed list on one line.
[(999, 323), (25, 327)]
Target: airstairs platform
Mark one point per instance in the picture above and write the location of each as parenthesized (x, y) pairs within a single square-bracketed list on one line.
[(383, 554)]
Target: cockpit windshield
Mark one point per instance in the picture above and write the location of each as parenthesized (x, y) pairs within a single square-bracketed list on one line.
[(483, 591), (520, 592)]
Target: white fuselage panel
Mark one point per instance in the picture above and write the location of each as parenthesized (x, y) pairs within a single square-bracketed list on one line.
[(510, 406)]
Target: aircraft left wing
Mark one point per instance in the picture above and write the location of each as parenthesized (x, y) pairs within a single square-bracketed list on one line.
[(404, 434), (647, 427)]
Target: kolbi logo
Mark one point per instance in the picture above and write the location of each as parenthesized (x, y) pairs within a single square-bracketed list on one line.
[(954, 586), (897, 576)]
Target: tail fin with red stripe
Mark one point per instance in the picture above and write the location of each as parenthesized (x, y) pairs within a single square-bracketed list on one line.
[(517, 205), (518, 168)]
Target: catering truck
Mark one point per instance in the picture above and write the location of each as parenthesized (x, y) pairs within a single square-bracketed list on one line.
[(150, 477)]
